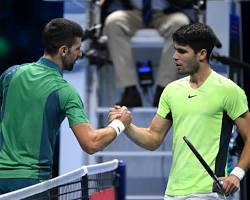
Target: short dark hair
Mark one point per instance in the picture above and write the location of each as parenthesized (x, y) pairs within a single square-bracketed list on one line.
[(58, 32), (198, 36)]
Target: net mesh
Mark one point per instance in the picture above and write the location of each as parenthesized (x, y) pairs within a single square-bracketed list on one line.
[(92, 182)]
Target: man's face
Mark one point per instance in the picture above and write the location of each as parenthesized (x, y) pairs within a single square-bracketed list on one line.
[(72, 55), (185, 59)]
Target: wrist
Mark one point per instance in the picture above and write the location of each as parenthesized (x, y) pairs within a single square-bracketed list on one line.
[(117, 125), (237, 171)]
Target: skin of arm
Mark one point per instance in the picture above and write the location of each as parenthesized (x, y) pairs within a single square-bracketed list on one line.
[(232, 182), (243, 124), (93, 140), (149, 138)]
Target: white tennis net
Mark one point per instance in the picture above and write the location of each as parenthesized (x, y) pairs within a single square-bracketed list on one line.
[(82, 183)]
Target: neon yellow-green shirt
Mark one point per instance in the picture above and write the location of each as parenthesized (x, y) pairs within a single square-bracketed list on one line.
[(205, 116)]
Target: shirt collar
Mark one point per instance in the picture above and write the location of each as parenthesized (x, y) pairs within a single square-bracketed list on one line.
[(50, 64)]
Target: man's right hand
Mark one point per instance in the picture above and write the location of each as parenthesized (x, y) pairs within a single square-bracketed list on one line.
[(121, 113)]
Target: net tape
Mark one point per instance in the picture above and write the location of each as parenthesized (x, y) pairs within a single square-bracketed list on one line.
[(61, 180)]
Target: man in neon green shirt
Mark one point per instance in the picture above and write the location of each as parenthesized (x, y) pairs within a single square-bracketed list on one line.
[(34, 100), (202, 106)]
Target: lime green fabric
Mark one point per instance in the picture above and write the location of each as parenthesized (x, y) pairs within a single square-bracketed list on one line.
[(199, 114)]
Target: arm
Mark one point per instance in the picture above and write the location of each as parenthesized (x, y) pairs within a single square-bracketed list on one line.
[(232, 182), (93, 140), (243, 124), (149, 138)]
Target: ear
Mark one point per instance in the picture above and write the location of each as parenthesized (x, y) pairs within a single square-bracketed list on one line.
[(202, 55), (63, 50)]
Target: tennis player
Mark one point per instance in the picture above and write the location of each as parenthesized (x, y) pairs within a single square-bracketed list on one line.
[(202, 106), (34, 100)]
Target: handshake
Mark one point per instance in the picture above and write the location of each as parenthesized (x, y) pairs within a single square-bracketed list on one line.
[(119, 118)]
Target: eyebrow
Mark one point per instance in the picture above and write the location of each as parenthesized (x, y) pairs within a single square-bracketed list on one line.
[(180, 49)]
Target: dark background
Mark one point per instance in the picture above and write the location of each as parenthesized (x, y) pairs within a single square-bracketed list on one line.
[(245, 7), (21, 24)]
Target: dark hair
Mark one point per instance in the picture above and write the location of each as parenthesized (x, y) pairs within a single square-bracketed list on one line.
[(58, 32), (198, 36)]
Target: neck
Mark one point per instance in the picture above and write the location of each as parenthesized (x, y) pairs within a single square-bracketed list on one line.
[(54, 59), (198, 78)]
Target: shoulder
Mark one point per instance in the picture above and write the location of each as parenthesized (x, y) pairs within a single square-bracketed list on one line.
[(224, 83), (67, 88), (8, 74), (228, 90), (68, 92), (11, 70)]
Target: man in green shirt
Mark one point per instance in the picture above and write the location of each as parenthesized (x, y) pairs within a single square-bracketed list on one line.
[(202, 106), (34, 101)]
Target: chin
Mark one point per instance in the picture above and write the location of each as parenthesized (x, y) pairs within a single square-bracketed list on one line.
[(69, 68), (180, 72)]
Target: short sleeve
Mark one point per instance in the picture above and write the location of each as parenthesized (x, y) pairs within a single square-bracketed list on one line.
[(73, 106), (235, 103), (163, 107)]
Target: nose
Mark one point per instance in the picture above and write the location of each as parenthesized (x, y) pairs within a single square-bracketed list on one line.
[(175, 56)]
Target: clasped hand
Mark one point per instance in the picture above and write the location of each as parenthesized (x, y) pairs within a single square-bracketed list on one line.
[(121, 113)]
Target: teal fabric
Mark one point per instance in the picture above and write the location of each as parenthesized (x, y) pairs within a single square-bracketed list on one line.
[(34, 100), (11, 184)]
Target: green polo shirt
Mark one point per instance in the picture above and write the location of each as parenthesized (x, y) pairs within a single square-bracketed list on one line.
[(205, 115), (35, 99)]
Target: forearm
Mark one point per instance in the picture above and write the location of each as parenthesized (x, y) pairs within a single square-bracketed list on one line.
[(93, 140), (102, 138), (244, 162), (143, 137), (243, 124)]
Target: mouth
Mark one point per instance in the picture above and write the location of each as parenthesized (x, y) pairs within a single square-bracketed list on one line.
[(178, 65)]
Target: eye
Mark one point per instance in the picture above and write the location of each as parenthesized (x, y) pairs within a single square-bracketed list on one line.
[(181, 51)]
